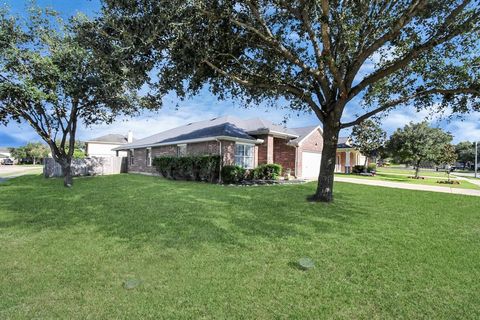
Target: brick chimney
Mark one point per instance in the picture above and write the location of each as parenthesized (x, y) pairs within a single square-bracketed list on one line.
[(130, 136)]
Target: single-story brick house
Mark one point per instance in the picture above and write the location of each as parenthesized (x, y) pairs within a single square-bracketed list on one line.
[(247, 143)]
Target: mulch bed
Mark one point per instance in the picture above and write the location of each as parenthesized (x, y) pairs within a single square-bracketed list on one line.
[(448, 182), (254, 183)]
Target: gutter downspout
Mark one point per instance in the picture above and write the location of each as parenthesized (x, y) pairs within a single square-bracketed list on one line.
[(296, 161), (221, 161)]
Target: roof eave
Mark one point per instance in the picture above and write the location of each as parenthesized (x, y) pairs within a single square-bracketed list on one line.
[(105, 142), (214, 138), (278, 134)]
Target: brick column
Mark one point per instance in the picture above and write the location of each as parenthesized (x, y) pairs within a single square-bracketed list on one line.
[(347, 162), (269, 149)]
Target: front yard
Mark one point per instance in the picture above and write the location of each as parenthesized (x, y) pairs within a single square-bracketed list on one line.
[(208, 251), (430, 181)]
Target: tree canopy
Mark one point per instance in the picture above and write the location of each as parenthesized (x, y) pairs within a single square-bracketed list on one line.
[(418, 142), (51, 80), (318, 55), (368, 137), (465, 151)]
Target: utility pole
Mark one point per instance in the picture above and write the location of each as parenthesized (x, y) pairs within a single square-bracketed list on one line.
[(476, 158)]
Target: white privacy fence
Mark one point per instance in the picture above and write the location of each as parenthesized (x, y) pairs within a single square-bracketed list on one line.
[(94, 166)]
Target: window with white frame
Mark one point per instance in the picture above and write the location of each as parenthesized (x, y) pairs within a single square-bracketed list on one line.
[(148, 157), (181, 150), (132, 156), (244, 155)]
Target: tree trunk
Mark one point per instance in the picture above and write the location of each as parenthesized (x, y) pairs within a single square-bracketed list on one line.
[(324, 191), (67, 174), (34, 161), (417, 170)]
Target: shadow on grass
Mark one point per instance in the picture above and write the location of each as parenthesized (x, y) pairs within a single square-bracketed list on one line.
[(141, 209)]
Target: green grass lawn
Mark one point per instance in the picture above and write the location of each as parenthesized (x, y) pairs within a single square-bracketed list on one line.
[(404, 178), (402, 170), (214, 252)]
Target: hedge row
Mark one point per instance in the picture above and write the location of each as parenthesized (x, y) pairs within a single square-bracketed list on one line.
[(360, 168), (236, 174), (207, 168), (195, 168)]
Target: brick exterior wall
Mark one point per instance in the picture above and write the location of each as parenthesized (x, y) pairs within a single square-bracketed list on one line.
[(140, 162), (228, 152), (263, 150), (284, 154), (200, 148)]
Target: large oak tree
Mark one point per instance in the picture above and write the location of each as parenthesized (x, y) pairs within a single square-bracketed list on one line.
[(328, 57), (51, 80)]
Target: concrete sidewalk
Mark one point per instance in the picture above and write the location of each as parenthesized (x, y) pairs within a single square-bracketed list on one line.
[(401, 185), (10, 172)]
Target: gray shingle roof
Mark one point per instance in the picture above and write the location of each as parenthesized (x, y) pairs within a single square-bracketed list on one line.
[(222, 126), (344, 142), (302, 133), (112, 138)]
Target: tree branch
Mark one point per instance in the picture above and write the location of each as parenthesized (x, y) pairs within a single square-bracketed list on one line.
[(288, 88), (414, 53), (390, 104), (398, 25), (271, 41), (327, 48), (322, 79)]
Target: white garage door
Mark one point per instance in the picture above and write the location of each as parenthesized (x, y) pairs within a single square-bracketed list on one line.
[(311, 164)]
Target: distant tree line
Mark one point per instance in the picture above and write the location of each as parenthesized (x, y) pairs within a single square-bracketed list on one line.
[(32, 152), (35, 152), (415, 144)]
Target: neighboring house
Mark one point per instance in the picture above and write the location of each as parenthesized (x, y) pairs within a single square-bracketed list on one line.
[(247, 143), (347, 156), (104, 146), (4, 154)]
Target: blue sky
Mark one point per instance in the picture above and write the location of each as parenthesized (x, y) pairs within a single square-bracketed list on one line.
[(205, 105)]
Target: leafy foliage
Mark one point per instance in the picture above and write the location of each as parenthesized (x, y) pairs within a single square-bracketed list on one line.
[(270, 171), (465, 151), (316, 55), (197, 168), (32, 150), (418, 142), (361, 168), (368, 137), (50, 79), (233, 174)]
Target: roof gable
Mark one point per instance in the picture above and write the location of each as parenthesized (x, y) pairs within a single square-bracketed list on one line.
[(111, 138)]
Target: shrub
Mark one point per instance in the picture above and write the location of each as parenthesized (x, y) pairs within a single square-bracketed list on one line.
[(360, 168), (269, 171), (197, 168), (357, 169), (233, 174)]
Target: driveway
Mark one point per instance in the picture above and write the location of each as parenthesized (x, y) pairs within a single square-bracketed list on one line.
[(400, 185), (8, 172)]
